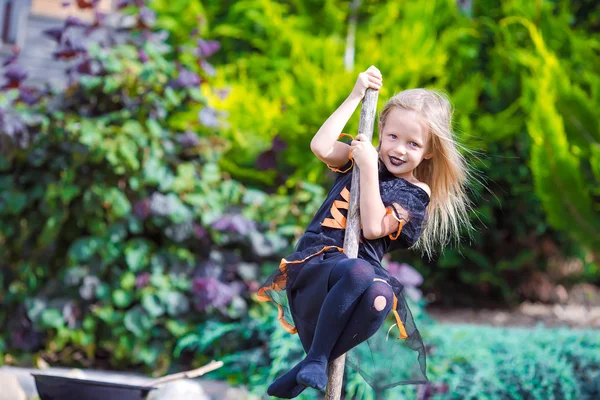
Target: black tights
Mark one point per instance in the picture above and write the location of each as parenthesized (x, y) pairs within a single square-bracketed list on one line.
[(348, 317)]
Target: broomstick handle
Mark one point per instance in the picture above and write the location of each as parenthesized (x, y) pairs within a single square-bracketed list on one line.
[(189, 374), (352, 237)]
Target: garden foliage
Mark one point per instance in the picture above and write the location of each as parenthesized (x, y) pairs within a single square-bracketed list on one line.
[(522, 77)]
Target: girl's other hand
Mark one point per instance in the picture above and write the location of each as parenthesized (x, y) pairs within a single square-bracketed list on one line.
[(363, 152), (371, 78)]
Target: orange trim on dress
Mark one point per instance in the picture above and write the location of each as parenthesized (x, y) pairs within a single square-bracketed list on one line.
[(401, 328), (279, 284), (338, 221), (401, 223), (399, 324)]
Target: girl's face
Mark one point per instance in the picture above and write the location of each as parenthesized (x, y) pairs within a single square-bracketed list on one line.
[(404, 142)]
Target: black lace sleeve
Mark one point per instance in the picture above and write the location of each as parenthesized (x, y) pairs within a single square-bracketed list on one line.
[(408, 203)]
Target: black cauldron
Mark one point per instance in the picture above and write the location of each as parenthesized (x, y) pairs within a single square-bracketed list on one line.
[(52, 387)]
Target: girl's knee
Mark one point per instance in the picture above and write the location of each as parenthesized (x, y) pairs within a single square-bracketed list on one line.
[(381, 296), (380, 303)]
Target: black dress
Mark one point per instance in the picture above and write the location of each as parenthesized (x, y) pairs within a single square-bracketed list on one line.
[(300, 284)]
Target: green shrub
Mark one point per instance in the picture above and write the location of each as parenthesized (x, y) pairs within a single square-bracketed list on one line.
[(122, 241)]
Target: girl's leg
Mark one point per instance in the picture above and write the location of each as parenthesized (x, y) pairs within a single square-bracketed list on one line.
[(374, 306), (350, 280), (347, 282)]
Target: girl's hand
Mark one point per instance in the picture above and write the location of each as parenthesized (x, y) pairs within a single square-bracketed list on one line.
[(364, 154), (371, 78)]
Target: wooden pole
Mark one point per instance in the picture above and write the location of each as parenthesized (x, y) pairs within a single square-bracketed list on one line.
[(351, 240)]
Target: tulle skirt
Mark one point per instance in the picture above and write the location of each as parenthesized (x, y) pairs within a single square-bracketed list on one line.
[(394, 355)]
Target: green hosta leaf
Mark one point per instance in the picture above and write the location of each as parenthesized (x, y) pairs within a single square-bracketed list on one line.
[(52, 318), (185, 178), (111, 84), (149, 355), (176, 303), (128, 150), (137, 254), (138, 322), (152, 305), (119, 204), (189, 341), (83, 249), (122, 298), (154, 128), (128, 281), (212, 331), (211, 173), (178, 328), (12, 203), (90, 82), (172, 97)]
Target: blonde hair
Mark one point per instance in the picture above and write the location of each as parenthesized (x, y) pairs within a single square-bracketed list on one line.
[(446, 172)]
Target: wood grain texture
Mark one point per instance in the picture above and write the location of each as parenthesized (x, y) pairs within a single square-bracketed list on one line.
[(351, 240)]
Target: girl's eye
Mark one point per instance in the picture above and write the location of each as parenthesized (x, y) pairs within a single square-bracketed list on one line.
[(414, 144), (393, 136)]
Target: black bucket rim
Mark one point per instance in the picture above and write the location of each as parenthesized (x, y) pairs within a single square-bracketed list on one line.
[(93, 382)]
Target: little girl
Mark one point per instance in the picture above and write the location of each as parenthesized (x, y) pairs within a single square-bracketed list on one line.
[(412, 194)]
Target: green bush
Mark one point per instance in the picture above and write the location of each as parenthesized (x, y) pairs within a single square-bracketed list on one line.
[(122, 241), (510, 70)]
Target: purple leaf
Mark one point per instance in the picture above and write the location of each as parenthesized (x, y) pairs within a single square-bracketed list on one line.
[(209, 117), (147, 18), (208, 68), (187, 79), (266, 160), (211, 292), (74, 21), (406, 275), (234, 223), (188, 139), (15, 73), (65, 3), (199, 231), (122, 4), (279, 144), (55, 33), (142, 280), (28, 96), (88, 67), (142, 209), (206, 48), (143, 56), (222, 93)]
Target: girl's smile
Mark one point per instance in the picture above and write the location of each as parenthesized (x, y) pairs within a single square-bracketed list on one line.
[(404, 140)]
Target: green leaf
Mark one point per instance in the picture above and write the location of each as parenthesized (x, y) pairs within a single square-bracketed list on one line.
[(137, 322), (188, 341), (152, 305), (83, 249), (137, 254), (122, 298), (172, 97), (52, 318)]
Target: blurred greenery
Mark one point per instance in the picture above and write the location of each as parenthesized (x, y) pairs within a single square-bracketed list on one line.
[(524, 82), (142, 205)]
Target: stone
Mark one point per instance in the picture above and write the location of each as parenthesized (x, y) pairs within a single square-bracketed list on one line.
[(184, 389), (11, 388)]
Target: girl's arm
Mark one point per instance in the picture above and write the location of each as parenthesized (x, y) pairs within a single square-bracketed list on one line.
[(375, 220), (325, 143), (374, 217)]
